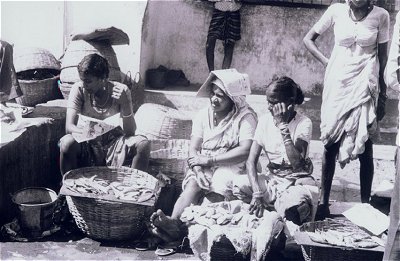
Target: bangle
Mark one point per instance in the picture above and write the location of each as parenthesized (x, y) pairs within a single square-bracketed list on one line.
[(287, 141), (214, 159), (127, 116), (258, 194)]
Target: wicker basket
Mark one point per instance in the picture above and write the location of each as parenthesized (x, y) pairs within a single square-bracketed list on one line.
[(71, 74), (38, 91), (30, 58), (78, 49), (316, 252), (106, 219), (161, 122), (169, 157), (223, 250)]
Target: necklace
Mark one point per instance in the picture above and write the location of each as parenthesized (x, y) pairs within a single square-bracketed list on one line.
[(100, 108), (353, 17)]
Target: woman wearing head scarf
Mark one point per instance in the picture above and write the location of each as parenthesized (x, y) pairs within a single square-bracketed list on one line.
[(284, 134), (221, 138), (354, 94)]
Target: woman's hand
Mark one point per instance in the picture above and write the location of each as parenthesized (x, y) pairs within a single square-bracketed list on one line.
[(122, 94), (256, 207), (281, 113), (198, 160)]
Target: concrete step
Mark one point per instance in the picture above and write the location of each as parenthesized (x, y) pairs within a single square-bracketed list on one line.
[(346, 181), (184, 98)]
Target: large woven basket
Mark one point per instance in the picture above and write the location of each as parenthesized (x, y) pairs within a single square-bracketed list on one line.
[(29, 58), (169, 157), (78, 49), (106, 219), (156, 121), (318, 252), (38, 91)]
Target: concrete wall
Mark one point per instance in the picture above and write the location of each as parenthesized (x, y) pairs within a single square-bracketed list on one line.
[(42, 24), (271, 43), (33, 24)]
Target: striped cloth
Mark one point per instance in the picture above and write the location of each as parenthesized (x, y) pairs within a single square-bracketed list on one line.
[(225, 26)]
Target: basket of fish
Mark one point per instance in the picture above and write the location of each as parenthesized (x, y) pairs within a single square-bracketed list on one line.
[(110, 203), (337, 240)]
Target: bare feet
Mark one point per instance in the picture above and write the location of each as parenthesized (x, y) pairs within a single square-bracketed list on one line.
[(165, 227)]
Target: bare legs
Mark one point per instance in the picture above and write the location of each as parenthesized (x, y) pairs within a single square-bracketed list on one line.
[(228, 53), (328, 171), (69, 154), (366, 172), (170, 227), (142, 153)]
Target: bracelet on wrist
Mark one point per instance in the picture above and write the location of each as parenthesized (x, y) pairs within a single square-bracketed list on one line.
[(127, 116), (258, 194)]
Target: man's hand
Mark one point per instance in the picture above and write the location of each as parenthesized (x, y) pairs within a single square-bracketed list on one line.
[(256, 207)]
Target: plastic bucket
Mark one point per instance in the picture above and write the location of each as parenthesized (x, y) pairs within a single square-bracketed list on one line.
[(35, 209)]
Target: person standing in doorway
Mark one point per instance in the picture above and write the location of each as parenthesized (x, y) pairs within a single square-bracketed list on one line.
[(225, 26)]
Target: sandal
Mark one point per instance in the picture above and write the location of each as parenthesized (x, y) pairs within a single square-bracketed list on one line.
[(165, 251), (168, 248)]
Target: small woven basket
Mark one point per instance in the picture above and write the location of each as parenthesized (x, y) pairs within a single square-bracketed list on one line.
[(106, 219), (156, 121), (223, 250), (169, 157), (38, 91), (328, 253)]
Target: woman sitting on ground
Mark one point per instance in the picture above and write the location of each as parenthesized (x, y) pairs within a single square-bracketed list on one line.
[(97, 97), (221, 138), (284, 135)]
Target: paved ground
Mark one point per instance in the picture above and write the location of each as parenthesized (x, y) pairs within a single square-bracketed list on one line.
[(76, 246)]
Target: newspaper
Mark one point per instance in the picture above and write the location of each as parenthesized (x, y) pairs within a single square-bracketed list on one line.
[(93, 128), (368, 217)]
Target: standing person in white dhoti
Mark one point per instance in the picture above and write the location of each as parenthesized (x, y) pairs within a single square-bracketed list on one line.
[(354, 94)]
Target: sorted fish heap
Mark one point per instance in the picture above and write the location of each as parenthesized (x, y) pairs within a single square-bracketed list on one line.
[(134, 191), (208, 216)]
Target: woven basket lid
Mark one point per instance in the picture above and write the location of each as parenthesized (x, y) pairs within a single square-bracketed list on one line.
[(29, 58)]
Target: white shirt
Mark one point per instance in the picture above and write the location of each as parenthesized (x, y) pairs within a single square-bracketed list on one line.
[(269, 137)]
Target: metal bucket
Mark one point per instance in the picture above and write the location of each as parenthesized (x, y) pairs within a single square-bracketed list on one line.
[(36, 207)]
